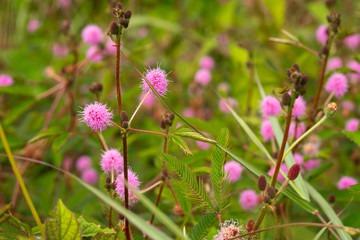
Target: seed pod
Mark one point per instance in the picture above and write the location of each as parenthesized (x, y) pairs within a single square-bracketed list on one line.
[(124, 116), (331, 198), (267, 199), (261, 183), (127, 14), (125, 124), (286, 99), (114, 28), (271, 192), (294, 172)]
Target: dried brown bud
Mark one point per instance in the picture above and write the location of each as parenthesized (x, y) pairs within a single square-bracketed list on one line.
[(178, 210), (271, 192), (262, 183), (250, 225), (124, 116), (294, 171), (114, 28), (96, 87), (331, 198)]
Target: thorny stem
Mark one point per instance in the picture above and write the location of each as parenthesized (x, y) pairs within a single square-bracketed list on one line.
[(126, 203), (139, 106), (117, 76), (252, 81), (322, 77), (280, 190)]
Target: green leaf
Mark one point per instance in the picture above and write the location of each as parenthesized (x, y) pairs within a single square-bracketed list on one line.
[(182, 144), (53, 131), (353, 136), (60, 141), (103, 236), (16, 112), (217, 173), (185, 132), (201, 170), (192, 187), (91, 229), (318, 171), (64, 224), (183, 201), (355, 188), (11, 228), (330, 213), (277, 11), (200, 230)]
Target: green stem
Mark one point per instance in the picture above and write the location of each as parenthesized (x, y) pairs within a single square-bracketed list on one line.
[(21, 182)]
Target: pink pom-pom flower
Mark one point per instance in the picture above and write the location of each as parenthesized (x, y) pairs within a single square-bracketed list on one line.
[(133, 180), (298, 158), (90, 176), (299, 107), (83, 163), (321, 35), (312, 164), (33, 25), (345, 182), (96, 116), (348, 105), (189, 112), (112, 159), (232, 102), (354, 65), (91, 34), (300, 129), (207, 62), (248, 199), (6, 80), (202, 145), (60, 50), (352, 125), (94, 54), (234, 169), (158, 79), (266, 130), (270, 106), (337, 84), (203, 76), (334, 63), (352, 41), (280, 177)]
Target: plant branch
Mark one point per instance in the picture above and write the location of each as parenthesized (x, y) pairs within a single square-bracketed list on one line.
[(293, 43), (126, 202)]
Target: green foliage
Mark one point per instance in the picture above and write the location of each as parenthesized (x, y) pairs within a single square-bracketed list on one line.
[(91, 229), (355, 188), (185, 132), (181, 144), (63, 225), (353, 136), (53, 131), (193, 188), (202, 228), (217, 173), (11, 228)]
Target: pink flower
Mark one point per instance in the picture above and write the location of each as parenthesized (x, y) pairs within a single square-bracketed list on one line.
[(232, 102), (60, 50), (248, 199), (91, 34), (312, 164), (112, 159), (110, 47), (345, 182), (97, 116), (266, 130), (321, 35), (352, 125), (311, 149), (90, 176), (6, 80), (270, 106), (299, 107), (298, 158), (189, 112), (203, 145), (300, 129), (207, 62), (334, 63), (64, 3), (337, 84), (143, 32), (203, 76), (149, 100), (352, 41), (229, 229), (133, 180), (94, 54), (354, 65), (348, 105), (157, 78), (83, 163), (33, 25), (280, 177), (234, 169)]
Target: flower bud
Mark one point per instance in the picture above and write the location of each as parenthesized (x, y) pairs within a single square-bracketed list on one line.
[(286, 99), (331, 198), (108, 179), (163, 124), (114, 28), (330, 109), (267, 199), (119, 5), (250, 225), (96, 87), (172, 116), (294, 171), (296, 67), (124, 22), (262, 183), (304, 79), (178, 210), (127, 14), (124, 116), (125, 124), (271, 192)]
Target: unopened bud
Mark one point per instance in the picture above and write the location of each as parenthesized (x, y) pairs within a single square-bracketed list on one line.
[(125, 124), (286, 99), (172, 116), (331, 198), (304, 79), (114, 28), (124, 22), (271, 192), (119, 5), (96, 87), (267, 199), (296, 67), (163, 124), (262, 183), (294, 171), (250, 225), (124, 116), (127, 14), (178, 210), (108, 180), (330, 109)]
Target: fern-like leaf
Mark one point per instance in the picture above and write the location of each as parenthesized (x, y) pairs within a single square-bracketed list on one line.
[(192, 188), (200, 230), (217, 173)]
